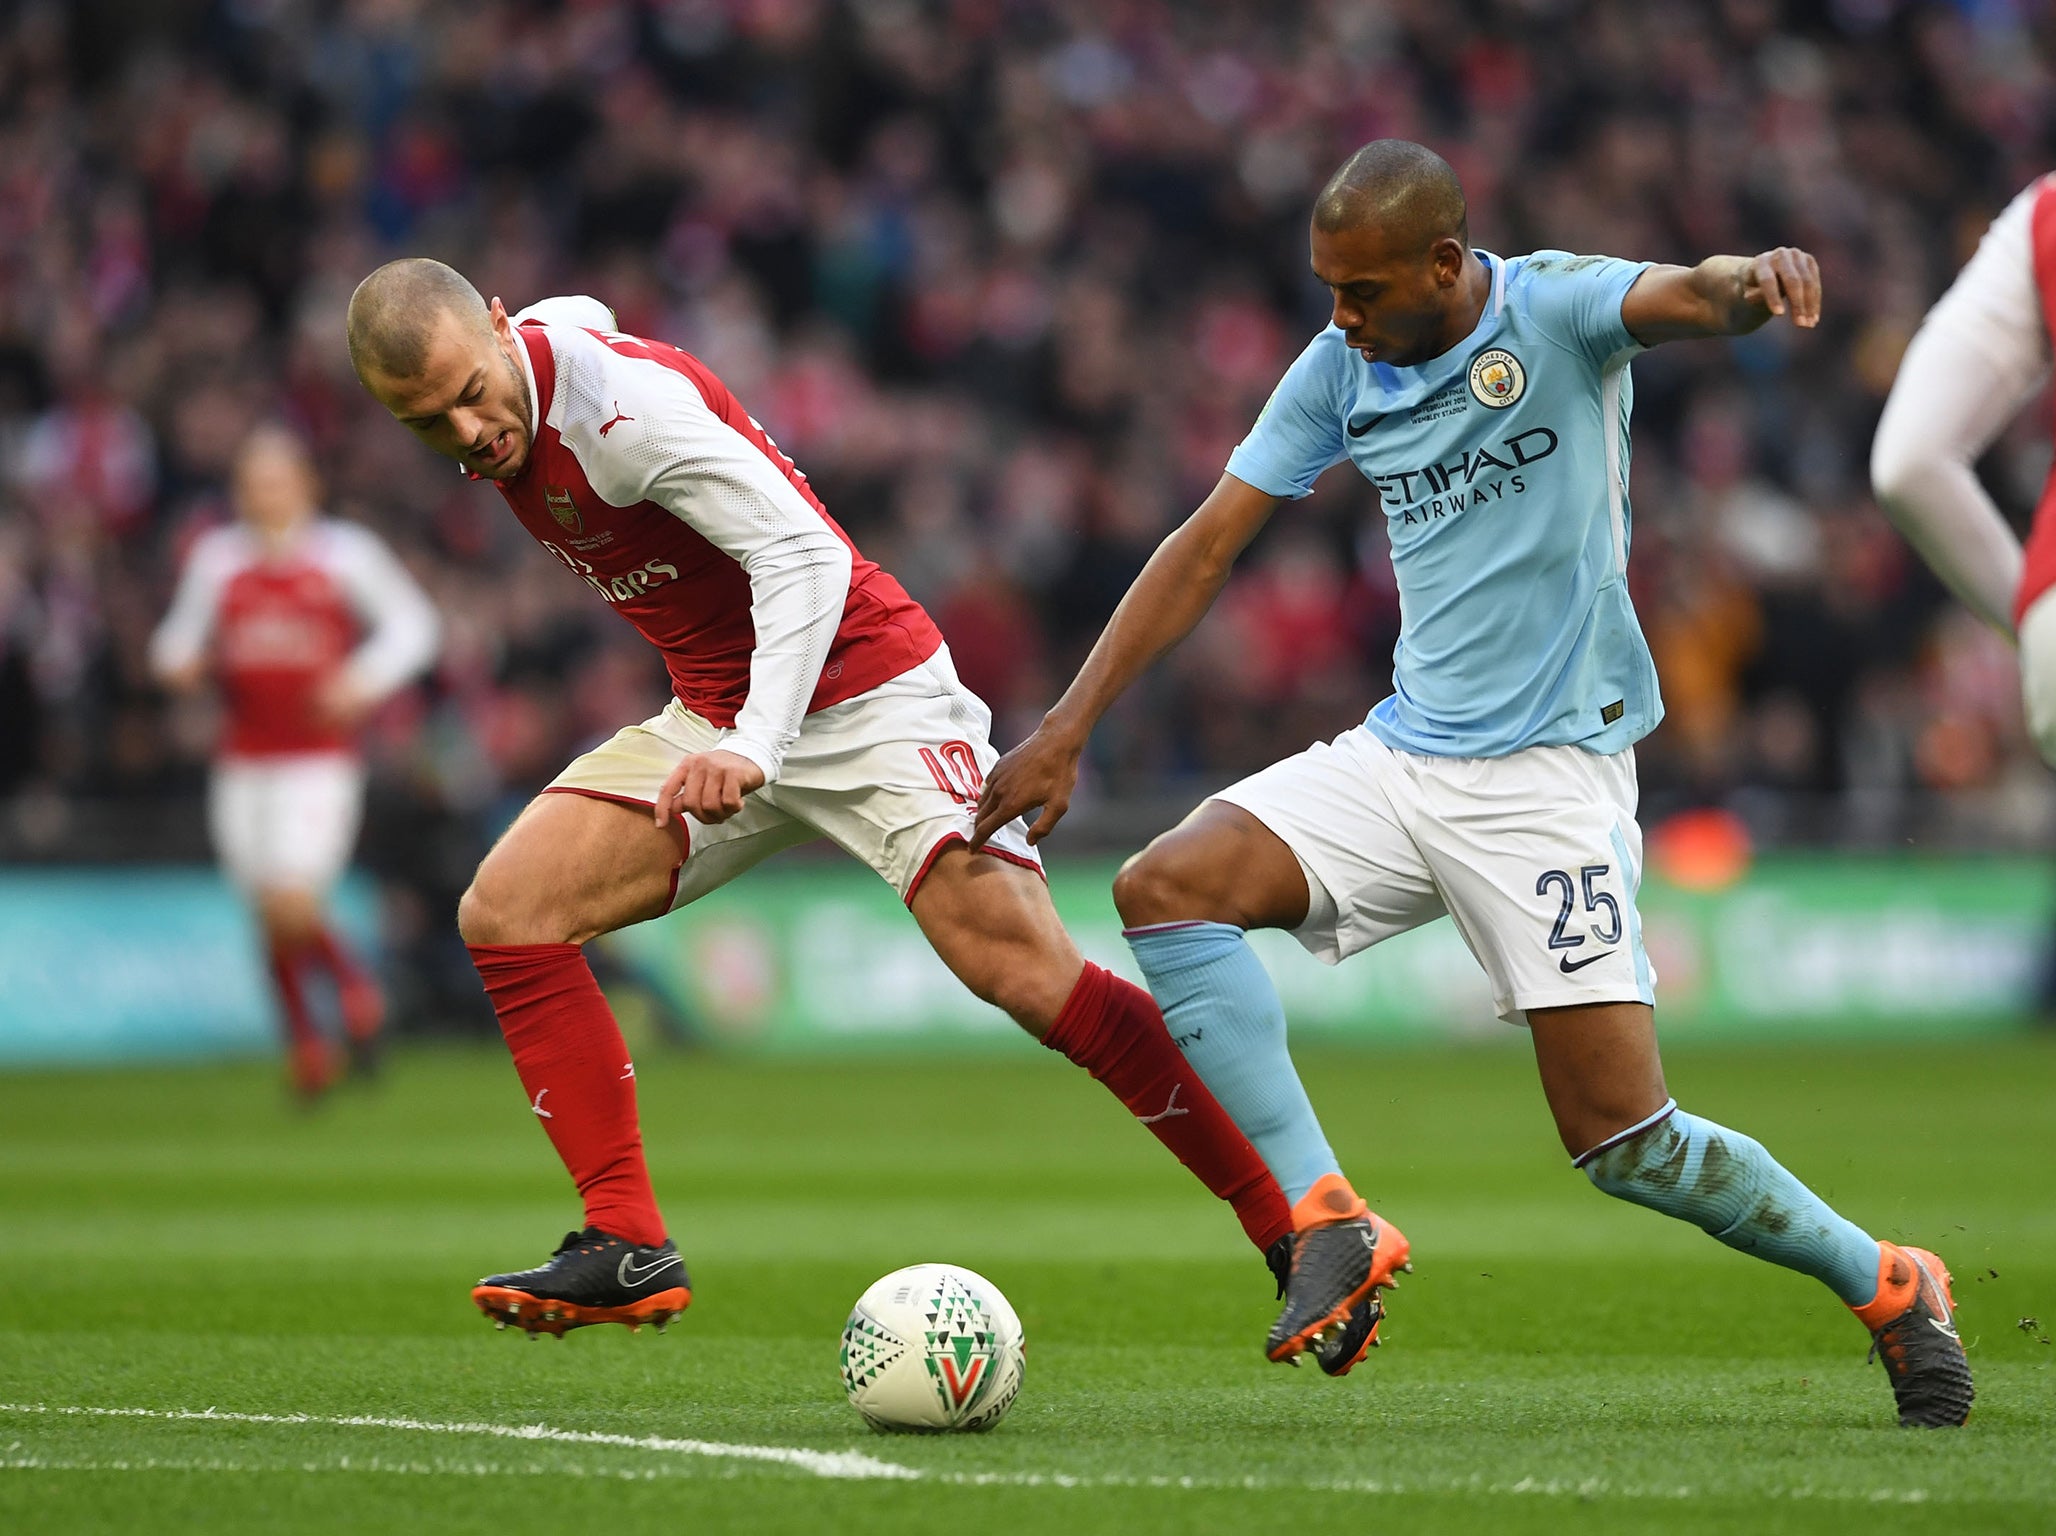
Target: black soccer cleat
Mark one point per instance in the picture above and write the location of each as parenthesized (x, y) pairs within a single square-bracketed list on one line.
[(1336, 1269), (1918, 1342), (593, 1277), (1339, 1349)]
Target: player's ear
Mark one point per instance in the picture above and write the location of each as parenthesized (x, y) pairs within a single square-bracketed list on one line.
[(1447, 255), (503, 324)]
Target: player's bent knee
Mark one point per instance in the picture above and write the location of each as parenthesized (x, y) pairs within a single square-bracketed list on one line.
[(491, 912), (1169, 882)]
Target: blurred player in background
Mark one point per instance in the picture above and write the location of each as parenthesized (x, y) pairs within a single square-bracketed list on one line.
[(304, 624), (811, 697), (1980, 354), (1487, 399)]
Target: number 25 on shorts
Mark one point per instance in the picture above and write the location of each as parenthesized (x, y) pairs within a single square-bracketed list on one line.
[(1568, 892)]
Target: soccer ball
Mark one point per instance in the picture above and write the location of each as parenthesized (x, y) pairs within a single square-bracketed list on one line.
[(932, 1347)]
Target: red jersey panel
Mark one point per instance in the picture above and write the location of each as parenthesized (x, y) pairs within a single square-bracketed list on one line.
[(283, 630), (650, 481), (274, 625)]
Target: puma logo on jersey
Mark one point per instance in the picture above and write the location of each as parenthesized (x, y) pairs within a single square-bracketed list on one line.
[(614, 421)]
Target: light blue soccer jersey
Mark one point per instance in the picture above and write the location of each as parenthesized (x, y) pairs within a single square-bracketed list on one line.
[(1502, 466)]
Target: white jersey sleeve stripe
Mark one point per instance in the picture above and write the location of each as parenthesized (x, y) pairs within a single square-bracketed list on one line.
[(181, 638), (1616, 482), (401, 623), (665, 445)]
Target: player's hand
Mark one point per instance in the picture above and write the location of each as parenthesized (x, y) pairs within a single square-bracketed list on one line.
[(340, 702), (708, 786), (187, 679), (1043, 770), (1785, 281)]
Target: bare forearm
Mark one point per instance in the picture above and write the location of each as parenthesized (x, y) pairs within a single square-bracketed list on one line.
[(1722, 283), (1723, 296)]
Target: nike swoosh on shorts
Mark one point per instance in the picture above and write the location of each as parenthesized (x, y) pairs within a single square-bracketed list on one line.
[(1567, 965)]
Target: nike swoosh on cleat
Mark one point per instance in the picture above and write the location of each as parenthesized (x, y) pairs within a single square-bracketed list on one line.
[(631, 1277), (1941, 1327), (1567, 965)]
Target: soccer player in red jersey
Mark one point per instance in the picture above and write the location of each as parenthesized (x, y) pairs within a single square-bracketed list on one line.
[(305, 623), (811, 697), (1980, 354)]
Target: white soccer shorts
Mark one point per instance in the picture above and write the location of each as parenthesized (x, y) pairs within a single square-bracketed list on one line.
[(1536, 856), (286, 823), (892, 776)]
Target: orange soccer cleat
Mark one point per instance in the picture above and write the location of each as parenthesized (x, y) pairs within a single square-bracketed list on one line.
[(1343, 1255), (1912, 1325)]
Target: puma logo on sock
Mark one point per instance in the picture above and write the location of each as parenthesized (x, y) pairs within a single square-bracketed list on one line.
[(1170, 1108), (537, 1106)]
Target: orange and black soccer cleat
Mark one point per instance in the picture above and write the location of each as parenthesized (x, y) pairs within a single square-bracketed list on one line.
[(1343, 1254), (1912, 1325), (593, 1277)]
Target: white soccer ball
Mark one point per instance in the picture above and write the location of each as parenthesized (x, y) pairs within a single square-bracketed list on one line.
[(932, 1347)]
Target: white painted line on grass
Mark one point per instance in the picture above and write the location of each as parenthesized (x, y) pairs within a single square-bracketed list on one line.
[(831, 1464), (840, 1465)]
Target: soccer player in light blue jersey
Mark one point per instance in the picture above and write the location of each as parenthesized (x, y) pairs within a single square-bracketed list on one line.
[(1487, 400)]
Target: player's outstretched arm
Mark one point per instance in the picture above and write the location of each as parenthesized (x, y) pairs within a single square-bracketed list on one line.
[(1171, 595), (1723, 296)]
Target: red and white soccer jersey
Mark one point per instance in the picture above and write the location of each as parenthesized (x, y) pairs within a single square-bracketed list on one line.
[(1981, 353), (277, 625), (651, 482), (784, 644)]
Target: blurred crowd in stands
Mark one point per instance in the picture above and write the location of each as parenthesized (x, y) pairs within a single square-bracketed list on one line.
[(1008, 278)]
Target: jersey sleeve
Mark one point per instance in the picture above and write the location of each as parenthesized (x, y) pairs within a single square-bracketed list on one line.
[(677, 453), (402, 629), (578, 310), (1576, 301), (1977, 357), (1299, 433), (181, 638)]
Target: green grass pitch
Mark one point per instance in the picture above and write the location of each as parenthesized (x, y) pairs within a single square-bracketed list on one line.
[(178, 1241)]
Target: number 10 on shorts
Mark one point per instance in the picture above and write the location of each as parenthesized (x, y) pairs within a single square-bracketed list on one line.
[(1595, 901)]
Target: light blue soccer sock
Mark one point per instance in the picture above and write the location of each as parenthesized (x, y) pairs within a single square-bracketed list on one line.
[(1728, 1185), (1224, 1013)]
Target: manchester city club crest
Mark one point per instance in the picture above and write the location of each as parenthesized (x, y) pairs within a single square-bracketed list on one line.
[(1497, 378), (558, 499)]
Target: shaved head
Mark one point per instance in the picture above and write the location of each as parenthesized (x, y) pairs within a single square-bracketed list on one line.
[(1405, 189), (397, 311), (447, 364), (1391, 240)]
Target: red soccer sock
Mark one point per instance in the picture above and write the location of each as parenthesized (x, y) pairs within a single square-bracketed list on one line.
[(357, 990), (581, 1084), (312, 1067), (1114, 1030)]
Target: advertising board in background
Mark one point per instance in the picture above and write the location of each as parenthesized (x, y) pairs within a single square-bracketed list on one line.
[(817, 955), (112, 965), (807, 956)]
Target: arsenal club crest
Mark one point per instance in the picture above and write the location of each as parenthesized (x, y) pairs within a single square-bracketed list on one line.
[(558, 499)]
